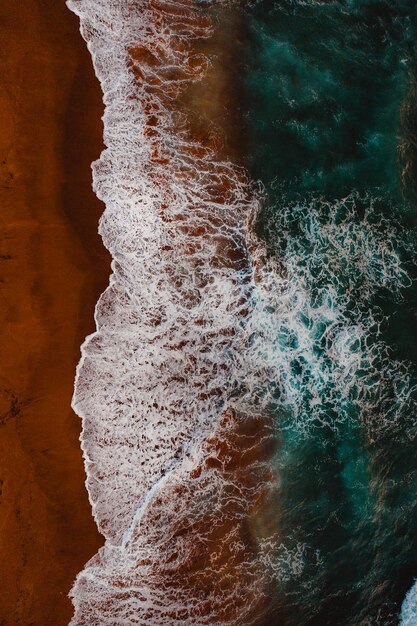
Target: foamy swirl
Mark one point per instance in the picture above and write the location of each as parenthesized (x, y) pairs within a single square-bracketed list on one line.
[(159, 375), (198, 338)]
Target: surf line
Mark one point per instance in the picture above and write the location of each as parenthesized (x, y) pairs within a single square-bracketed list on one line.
[(177, 465)]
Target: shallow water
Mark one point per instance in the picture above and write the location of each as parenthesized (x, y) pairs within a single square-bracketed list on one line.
[(249, 398)]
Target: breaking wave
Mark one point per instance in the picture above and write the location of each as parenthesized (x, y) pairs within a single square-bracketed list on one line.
[(209, 342), (156, 386), (316, 326)]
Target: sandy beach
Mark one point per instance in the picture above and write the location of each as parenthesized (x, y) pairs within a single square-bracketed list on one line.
[(52, 269)]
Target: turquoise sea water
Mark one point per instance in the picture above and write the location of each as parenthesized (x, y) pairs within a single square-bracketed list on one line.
[(329, 93), (217, 354)]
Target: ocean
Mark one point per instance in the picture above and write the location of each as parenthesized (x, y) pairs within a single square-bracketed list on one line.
[(249, 398)]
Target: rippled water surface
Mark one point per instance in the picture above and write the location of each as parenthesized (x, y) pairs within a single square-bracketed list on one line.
[(330, 114), (249, 400)]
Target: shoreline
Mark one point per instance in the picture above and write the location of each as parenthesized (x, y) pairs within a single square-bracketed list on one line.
[(212, 560), (53, 267)]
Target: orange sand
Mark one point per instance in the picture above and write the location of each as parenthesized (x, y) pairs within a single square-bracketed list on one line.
[(52, 269)]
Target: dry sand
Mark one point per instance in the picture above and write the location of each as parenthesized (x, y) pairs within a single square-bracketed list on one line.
[(52, 269)]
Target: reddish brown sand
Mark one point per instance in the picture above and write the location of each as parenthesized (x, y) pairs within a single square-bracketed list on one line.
[(52, 269)]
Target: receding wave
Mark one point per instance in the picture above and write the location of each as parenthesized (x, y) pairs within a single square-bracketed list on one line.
[(157, 386), (209, 343)]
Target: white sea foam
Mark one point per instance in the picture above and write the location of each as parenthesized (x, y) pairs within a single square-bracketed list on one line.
[(409, 608), (171, 309), (157, 377), (316, 349), (197, 336)]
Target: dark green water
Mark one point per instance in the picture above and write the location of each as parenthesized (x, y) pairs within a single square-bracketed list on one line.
[(330, 123)]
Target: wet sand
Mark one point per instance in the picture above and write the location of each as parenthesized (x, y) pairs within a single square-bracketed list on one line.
[(240, 448), (52, 269)]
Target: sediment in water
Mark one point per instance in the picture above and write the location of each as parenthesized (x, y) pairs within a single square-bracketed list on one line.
[(174, 478)]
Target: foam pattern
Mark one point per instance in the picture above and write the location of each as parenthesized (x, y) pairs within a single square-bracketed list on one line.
[(204, 337), (315, 346), (159, 375), (409, 608)]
